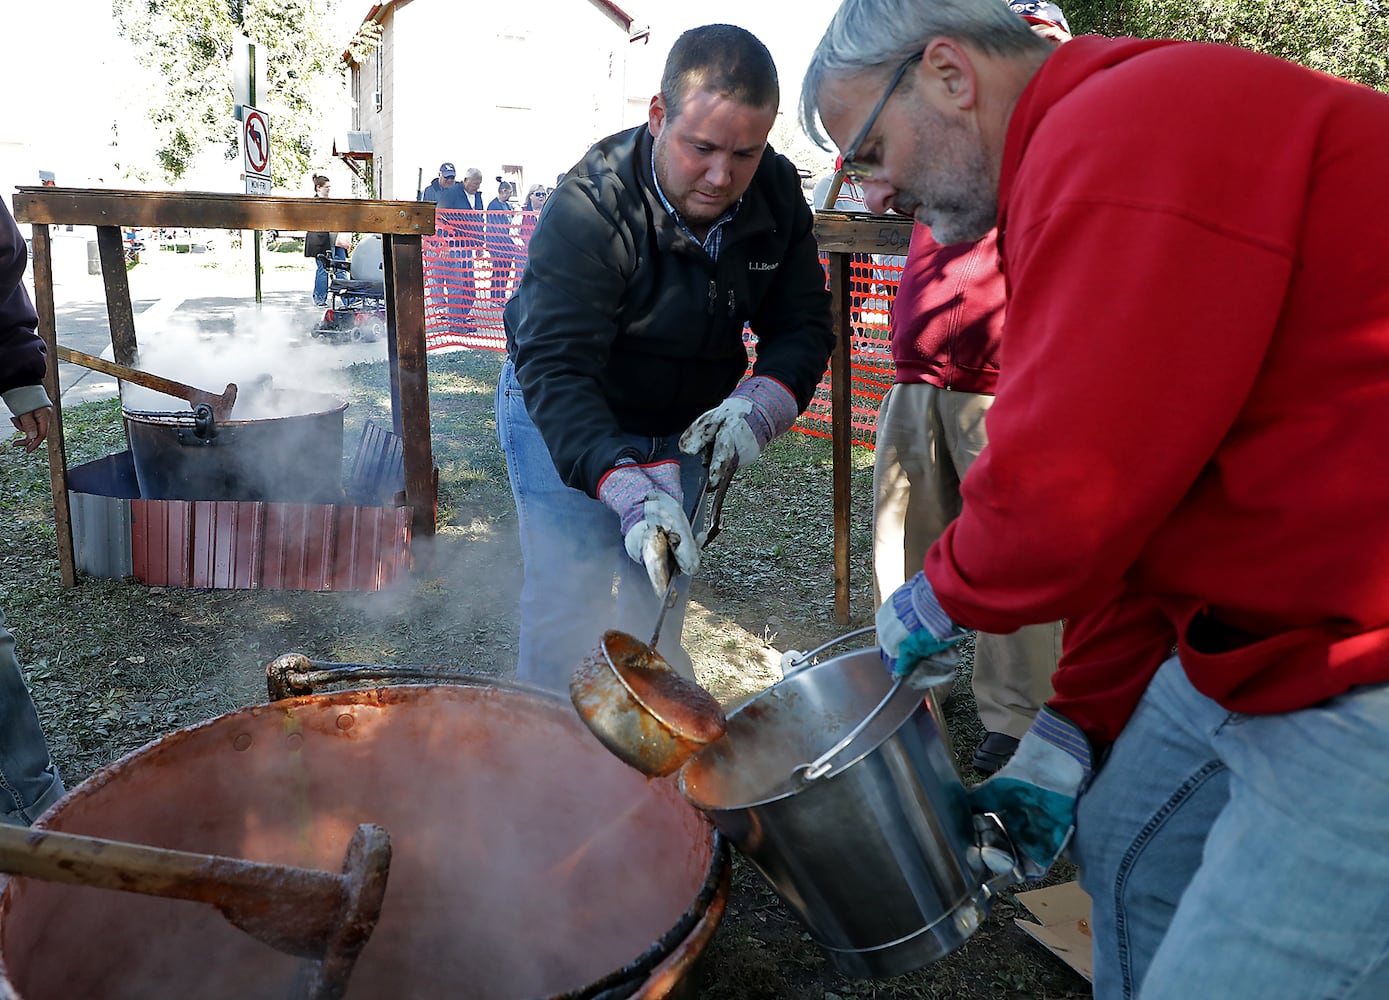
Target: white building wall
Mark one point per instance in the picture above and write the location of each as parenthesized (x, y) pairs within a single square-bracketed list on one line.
[(532, 86)]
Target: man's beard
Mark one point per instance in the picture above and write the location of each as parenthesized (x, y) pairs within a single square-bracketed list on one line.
[(953, 193)]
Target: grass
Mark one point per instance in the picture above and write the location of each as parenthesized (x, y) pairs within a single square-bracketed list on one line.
[(115, 664)]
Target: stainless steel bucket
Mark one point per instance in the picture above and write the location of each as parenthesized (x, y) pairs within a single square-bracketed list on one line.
[(873, 855)]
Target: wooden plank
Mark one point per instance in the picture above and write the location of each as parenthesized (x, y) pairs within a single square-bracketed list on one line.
[(405, 319), (841, 439), (57, 450), (859, 232), (119, 311), (392, 336), (208, 210)]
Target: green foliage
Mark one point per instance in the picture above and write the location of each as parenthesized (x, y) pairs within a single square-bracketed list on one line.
[(1347, 38), (188, 46)]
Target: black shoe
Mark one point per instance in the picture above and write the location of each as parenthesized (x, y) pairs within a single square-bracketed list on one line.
[(993, 752)]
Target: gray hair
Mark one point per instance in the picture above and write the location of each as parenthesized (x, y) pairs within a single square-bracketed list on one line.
[(867, 35)]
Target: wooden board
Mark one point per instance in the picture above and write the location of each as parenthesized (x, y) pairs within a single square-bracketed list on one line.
[(860, 232), (208, 210)]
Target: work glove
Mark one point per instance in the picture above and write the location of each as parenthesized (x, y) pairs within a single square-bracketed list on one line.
[(760, 409), (648, 501), (1034, 795), (916, 636)]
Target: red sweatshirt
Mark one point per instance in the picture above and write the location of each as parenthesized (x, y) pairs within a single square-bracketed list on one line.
[(947, 316), (1190, 425)]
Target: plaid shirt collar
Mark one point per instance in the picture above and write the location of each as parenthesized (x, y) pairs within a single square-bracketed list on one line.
[(711, 243)]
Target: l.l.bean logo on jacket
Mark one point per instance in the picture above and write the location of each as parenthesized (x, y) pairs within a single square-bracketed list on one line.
[(761, 265)]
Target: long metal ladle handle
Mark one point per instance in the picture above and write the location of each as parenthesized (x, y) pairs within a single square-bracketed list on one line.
[(711, 527)]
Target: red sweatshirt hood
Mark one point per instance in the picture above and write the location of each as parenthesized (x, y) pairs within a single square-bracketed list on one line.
[(1063, 71)]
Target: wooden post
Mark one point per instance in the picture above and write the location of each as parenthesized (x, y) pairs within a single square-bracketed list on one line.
[(410, 375), (119, 311), (840, 235), (57, 452), (841, 411)]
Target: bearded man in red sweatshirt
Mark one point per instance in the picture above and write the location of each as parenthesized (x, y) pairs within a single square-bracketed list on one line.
[(1185, 450), (946, 331)]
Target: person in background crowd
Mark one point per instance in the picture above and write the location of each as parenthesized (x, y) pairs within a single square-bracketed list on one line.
[(472, 189), (470, 247), (1185, 449), (502, 249), (29, 783), (452, 289), (535, 201), (625, 353), (317, 244), (445, 191), (502, 202), (946, 330)]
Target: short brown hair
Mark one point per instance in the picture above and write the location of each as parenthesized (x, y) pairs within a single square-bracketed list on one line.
[(722, 58)]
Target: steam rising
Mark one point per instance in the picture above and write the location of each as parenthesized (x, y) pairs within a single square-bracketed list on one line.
[(261, 353)]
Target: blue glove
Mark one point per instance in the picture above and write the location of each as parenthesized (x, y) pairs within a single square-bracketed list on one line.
[(760, 409), (1034, 794), (916, 636), (648, 502)]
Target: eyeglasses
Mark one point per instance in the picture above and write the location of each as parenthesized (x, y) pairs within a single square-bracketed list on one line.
[(857, 173)]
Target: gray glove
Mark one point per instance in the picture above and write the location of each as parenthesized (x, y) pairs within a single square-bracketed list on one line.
[(740, 427), (648, 501)]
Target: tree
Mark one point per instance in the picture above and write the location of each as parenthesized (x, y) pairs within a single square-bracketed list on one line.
[(188, 46), (1347, 38)]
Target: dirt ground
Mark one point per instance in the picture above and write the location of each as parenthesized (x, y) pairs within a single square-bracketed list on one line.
[(115, 664)]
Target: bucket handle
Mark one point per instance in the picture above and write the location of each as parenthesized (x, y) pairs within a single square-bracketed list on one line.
[(799, 661), (821, 765)]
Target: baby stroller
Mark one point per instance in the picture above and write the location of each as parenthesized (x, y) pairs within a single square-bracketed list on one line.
[(356, 294)]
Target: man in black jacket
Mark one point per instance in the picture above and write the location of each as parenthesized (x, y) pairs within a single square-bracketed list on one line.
[(626, 349)]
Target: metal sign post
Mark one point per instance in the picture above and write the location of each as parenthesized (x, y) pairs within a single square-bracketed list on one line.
[(255, 151), (255, 158)]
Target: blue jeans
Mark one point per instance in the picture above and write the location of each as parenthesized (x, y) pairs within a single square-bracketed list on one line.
[(1240, 856), (578, 579), (320, 279), (29, 782)]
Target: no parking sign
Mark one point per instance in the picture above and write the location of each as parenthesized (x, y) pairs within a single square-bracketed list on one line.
[(255, 151)]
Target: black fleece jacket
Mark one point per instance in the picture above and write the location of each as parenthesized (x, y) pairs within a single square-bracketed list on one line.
[(622, 324), (23, 358)]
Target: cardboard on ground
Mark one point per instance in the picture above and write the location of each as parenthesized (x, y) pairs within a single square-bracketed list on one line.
[(1064, 912)]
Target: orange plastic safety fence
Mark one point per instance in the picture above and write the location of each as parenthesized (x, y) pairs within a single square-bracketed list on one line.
[(474, 260), (471, 266)]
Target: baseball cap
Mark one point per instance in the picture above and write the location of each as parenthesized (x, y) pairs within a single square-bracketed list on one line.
[(1040, 12), (446, 170)]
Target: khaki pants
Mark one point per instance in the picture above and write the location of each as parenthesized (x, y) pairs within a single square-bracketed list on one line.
[(927, 438)]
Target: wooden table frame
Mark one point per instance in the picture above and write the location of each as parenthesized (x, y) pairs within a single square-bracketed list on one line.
[(401, 224), (840, 235)]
